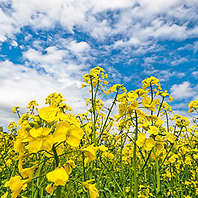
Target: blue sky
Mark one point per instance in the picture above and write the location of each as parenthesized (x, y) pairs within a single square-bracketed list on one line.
[(47, 46)]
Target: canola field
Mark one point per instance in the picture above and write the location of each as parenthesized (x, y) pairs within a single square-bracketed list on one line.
[(143, 151)]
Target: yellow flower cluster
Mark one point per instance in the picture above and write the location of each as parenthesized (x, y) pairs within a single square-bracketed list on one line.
[(140, 152)]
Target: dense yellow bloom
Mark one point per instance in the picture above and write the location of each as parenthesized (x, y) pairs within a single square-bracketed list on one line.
[(58, 176), (141, 112), (193, 106)]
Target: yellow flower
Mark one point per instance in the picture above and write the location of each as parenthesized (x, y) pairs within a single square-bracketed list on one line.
[(16, 185), (15, 109), (58, 176), (141, 139), (149, 144), (83, 85), (40, 139), (171, 137), (102, 148), (153, 130), (132, 95), (93, 191), (107, 155), (50, 188), (48, 113), (148, 103), (90, 152), (133, 105), (69, 165), (5, 195), (70, 133), (105, 82), (27, 172)]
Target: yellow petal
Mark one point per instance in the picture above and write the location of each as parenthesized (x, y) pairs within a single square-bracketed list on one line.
[(90, 152), (75, 136), (36, 132), (47, 143), (61, 131), (46, 131), (35, 145), (48, 113)]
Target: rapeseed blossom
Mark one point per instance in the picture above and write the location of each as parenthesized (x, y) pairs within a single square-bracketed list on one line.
[(58, 176), (140, 153)]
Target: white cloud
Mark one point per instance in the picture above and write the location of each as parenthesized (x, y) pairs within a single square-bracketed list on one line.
[(138, 25), (20, 85), (139, 20), (195, 47), (162, 75), (79, 49), (178, 61), (182, 91), (195, 74)]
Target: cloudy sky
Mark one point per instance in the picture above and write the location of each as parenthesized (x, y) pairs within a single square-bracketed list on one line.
[(47, 46)]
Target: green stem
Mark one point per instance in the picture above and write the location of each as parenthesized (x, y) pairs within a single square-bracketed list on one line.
[(158, 175), (112, 176), (135, 159), (105, 123), (93, 102), (58, 190), (55, 156), (36, 195), (160, 106), (146, 160), (167, 123)]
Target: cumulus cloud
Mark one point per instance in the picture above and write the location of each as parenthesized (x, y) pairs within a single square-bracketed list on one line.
[(21, 84), (140, 19), (131, 27), (182, 91)]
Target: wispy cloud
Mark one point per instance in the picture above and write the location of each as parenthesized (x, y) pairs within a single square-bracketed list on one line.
[(178, 61)]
